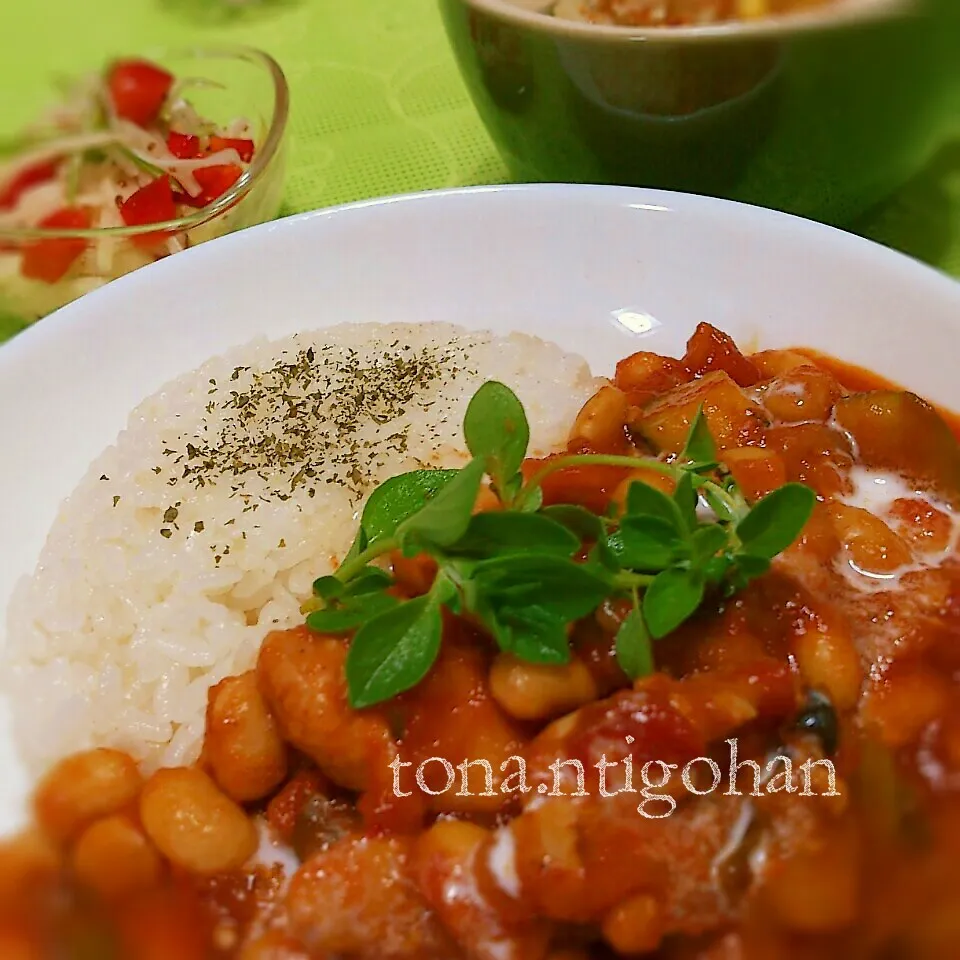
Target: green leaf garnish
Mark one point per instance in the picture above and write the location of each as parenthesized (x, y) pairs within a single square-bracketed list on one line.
[(578, 520), (646, 543), (508, 532), (633, 648), (567, 589), (673, 597), (718, 504), (351, 614), (686, 499), (526, 573), (400, 498), (444, 518), (530, 633), (393, 652), (328, 588), (497, 433), (644, 500), (700, 448), (705, 542), (371, 580), (776, 521)]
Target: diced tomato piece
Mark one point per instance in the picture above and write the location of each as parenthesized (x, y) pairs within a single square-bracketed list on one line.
[(49, 260), (710, 349), (28, 177), (243, 147), (757, 470), (590, 487), (152, 203), (921, 523), (415, 575), (285, 807), (214, 182), (184, 146), (138, 89), (647, 374)]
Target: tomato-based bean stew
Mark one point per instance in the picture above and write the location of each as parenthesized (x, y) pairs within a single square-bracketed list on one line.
[(686, 690)]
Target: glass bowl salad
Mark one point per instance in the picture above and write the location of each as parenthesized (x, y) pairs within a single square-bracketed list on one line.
[(135, 163)]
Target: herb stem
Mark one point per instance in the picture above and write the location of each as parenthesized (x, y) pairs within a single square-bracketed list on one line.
[(735, 504), (627, 580), (352, 567)]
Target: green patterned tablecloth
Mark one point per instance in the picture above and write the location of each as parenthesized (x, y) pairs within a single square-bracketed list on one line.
[(378, 105)]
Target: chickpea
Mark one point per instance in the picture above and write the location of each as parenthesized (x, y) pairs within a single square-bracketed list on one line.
[(83, 788), (243, 746), (900, 705), (602, 419), (534, 691), (479, 914), (548, 862), (114, 858), (818, 540), (871, 545), (829, 661), (635, 926), (301, 676), (775, 363), (814, 454), (193, 824), (921, 524), (804, 393)]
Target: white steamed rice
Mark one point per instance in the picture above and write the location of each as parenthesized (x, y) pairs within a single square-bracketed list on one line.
[(228, 493)]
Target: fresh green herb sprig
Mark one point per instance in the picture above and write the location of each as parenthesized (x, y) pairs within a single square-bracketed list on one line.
[(527, 572)]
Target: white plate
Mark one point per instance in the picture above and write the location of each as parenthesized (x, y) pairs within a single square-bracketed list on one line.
[(585, 266)]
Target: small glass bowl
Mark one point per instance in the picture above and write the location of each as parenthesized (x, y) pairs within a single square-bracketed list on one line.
[(246, 83)]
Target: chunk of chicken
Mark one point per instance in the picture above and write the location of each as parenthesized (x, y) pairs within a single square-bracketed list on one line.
[(359, 899), (301, 676)]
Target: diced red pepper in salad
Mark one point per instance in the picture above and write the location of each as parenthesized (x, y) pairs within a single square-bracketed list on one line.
[(243, 146), (184, 146), (49, 260), (214, 181), (138, 89), (152, 203), (30, 176)]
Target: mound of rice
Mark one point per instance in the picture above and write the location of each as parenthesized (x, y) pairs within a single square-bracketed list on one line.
[(228, 493)]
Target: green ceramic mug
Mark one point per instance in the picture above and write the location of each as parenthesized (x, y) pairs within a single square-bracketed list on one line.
[(821, 114)]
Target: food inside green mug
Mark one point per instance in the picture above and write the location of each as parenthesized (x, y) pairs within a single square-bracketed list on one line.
[(677, 13)]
